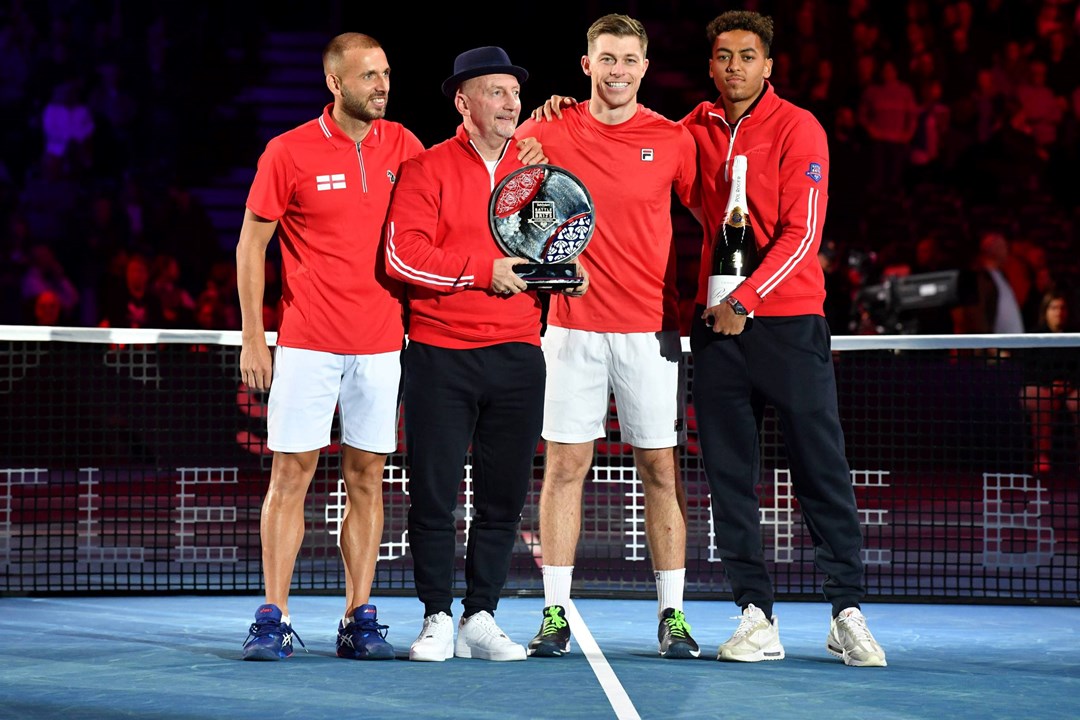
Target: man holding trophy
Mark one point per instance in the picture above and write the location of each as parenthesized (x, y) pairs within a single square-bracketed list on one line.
[(624, 336), (474, 370)]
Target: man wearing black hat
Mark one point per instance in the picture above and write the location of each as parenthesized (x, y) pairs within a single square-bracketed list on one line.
[(474, 371)]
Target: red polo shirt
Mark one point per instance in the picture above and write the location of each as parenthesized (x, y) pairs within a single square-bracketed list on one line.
[(330, 196)]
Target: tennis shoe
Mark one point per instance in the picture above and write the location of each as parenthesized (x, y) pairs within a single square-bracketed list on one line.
[(435, 642), (269, 638), (364, 638), (851, 641), (757, 638), (479, 637), (674, 636), (553, 640)]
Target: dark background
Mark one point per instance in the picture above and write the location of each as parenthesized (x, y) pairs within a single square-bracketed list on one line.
[(208, 83)]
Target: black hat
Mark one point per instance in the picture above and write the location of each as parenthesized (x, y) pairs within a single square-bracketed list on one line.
[(488, 60)]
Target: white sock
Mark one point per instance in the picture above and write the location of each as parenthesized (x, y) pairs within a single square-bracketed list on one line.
[(557, 581), (285, 620), (669, 589)]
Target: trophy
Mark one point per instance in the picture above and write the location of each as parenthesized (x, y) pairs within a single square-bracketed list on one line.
[(544, 214)]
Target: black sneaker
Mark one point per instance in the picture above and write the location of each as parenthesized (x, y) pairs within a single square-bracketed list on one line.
[(553, 640), (674, 636)]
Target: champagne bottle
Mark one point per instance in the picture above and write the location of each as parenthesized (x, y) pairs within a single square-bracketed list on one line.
[(735, 253)]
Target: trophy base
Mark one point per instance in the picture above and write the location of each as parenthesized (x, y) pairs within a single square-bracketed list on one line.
[(549, 276)]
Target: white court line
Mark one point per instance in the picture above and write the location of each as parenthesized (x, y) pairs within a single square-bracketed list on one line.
[(616, 694)]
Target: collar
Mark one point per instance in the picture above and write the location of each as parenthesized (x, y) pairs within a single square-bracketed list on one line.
[(462, 136), (337, 136), (765, 100)]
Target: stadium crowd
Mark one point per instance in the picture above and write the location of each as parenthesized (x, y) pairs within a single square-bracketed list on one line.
[(947, 122)]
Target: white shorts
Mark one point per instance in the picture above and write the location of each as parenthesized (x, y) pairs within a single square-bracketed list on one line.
[(309, 385), (645, 371)]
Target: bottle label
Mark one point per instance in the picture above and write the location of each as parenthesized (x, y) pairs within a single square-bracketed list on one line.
[(720, 286)]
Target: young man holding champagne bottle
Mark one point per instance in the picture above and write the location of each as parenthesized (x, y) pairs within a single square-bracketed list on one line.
[(785, 357)]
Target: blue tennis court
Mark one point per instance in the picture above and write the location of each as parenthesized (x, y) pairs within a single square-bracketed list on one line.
[(178, 657)]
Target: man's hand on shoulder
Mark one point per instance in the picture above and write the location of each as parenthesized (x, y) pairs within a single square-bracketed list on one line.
[(552, 108), (531, 151)]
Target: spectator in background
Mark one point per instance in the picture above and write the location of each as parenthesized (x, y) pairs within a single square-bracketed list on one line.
[(68, 127), (47, 308), (210, 313), (45, 272), (986, 102), (927, 144), (133, 306), (1050, 379), (1043, 108), (1010, 67), (992, 307), (888, 113), (177, 305)]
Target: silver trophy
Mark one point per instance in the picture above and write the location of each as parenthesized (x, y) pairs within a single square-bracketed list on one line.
[(544, 214)]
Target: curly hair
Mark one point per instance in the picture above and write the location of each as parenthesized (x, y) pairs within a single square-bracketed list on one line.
[(760, 25)]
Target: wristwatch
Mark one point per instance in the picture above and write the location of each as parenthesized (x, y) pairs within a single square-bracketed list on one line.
[(737, 307)]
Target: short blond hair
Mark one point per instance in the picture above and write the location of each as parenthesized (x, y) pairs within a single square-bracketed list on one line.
[(336, 48), (619, 26)]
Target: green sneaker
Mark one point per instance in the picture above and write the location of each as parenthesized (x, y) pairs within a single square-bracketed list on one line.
[(553, 640), (674, 636)]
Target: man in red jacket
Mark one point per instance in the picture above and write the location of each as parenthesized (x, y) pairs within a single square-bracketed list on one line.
[(783, 358), (474, 371)]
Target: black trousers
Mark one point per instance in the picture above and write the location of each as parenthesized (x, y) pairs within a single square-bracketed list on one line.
[(493, 398), (786, 362)]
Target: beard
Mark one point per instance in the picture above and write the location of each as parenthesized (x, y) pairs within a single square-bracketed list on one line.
[(361, 108)]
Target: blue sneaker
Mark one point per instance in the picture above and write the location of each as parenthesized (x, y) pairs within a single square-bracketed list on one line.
[(364, 637), (269, 638)]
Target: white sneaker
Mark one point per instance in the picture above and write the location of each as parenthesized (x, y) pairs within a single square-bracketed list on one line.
[(435, 642), (479, 637), (757, 638), (851, 641)]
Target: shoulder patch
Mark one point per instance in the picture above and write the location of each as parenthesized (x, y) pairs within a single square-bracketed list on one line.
[(814, 172)]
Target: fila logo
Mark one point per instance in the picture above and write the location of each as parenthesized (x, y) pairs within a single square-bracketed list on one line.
[(646, 154), (330, 182)]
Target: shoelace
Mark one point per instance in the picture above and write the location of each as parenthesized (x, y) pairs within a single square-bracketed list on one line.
[(677, 624), (430, 623), (553, 621), (487, 623), (269, 627), (374, 626), (746, 624), (856, 625)]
